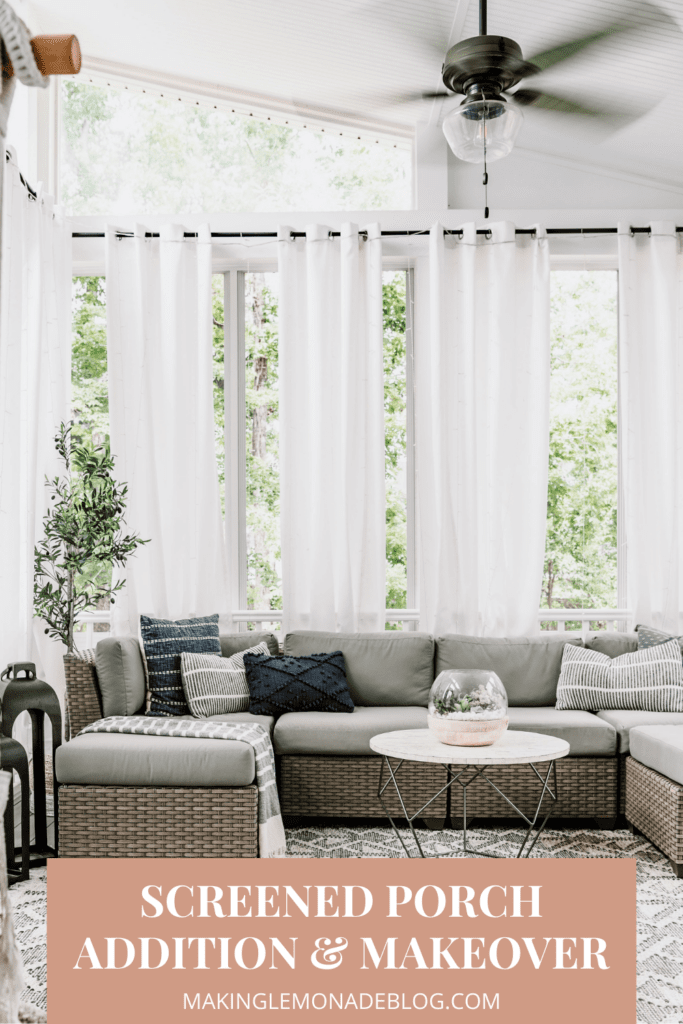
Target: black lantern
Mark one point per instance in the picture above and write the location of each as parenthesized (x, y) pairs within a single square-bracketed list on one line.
[(20, 690)]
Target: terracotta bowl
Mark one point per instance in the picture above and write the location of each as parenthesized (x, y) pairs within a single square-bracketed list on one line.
[(467, 732)]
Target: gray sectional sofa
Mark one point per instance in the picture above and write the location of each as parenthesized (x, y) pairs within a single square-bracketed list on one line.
[(142, 796)]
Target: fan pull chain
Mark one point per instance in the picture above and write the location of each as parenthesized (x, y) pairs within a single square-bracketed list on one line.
[(485, 180), (486, 189)]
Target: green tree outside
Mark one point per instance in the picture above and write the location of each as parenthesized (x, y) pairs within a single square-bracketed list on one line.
[(395, 440), (126, 152), (89, 386), (580, 569)]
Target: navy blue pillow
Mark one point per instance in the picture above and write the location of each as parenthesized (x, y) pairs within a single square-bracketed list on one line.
[(314, 682), (164, 641)]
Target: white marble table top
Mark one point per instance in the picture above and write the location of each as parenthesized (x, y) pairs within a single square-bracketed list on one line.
[(513, 747)]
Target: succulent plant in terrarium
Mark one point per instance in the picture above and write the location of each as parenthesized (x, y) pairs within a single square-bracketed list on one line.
[(468, 707), (468, 693)]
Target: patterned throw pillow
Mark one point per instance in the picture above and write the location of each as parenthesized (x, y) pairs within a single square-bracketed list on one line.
[(649, 637), (646, 680), (164, 641), (216, 686), (314, 682)]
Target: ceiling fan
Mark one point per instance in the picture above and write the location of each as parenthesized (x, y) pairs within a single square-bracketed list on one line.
[(484, 68)]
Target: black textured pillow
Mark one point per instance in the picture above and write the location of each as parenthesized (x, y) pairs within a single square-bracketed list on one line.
[(650, 637), (314, 682), (164, 641)]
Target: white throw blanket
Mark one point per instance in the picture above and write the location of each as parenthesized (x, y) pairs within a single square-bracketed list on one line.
[(271, 829)]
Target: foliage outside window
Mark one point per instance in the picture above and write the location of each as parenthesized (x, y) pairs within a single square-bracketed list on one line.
[(580, 569), (123, 151), (89, 392), (395, 438), (89, 385), (264, 584)]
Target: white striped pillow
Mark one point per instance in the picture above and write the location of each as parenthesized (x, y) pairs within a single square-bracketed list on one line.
[(215, 685), (647, 680)]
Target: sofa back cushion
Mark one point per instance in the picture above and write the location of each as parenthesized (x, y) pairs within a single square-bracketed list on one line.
[(233, 643), (528, 667), (121, 671), (389, 669), (613, 644), (121, 675)]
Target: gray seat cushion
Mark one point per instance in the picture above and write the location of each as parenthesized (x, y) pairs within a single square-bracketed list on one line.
[(529, 667), (245, 716), (390, 669), (624, 721), (585, 733), (612, 644), (324, 732), (118, 759), (659, 747)]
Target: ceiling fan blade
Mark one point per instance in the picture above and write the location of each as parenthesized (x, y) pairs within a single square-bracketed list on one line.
[(564, 105), (564, 51), (638, 18), (416, 97)]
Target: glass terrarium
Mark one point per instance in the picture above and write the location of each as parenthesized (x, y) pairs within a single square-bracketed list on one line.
[(468, 694)]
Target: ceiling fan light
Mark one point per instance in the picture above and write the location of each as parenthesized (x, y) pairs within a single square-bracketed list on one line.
[(483, 128)]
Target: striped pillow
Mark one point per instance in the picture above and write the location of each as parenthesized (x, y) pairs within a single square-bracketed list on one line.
[(646, 680), (214, 685)]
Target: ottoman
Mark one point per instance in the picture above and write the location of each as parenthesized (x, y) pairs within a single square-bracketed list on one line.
[(654, 788)]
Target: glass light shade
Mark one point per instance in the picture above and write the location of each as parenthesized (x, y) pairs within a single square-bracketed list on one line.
[(471, 694), (494, 123)]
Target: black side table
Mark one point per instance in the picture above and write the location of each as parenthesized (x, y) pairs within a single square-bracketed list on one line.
[(20, 690), (13, 757)]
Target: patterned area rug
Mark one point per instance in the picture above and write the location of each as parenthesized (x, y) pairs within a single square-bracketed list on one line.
[(659, 893), (659, 898), (29, 910)]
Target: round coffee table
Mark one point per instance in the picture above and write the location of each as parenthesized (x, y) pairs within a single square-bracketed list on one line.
[(514, 747)]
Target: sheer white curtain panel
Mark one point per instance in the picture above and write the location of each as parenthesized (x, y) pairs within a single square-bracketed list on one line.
[(332, 429), (159, 345), (482, 378), (35, 367), (651, 427)]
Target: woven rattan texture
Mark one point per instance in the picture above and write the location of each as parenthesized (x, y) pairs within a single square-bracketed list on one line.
[(586, 788), (347, 787), (654, 804), (623, 758), (113, 821), (82, 694)]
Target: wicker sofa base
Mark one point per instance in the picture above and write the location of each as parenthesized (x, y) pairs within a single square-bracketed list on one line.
[(347, 787), (124, 821), (654, 806)]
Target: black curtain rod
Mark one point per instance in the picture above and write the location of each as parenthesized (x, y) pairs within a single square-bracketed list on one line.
[(336, 234), (31, 194)]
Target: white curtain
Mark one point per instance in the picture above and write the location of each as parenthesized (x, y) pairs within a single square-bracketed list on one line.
[(651, 425), (482, 373), (35, 366), (332, 429), (159, 331)]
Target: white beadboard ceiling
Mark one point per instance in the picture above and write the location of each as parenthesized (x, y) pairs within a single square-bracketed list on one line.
[(354, 58)]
